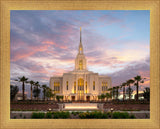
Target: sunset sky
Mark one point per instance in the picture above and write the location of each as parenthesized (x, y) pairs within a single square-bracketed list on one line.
[(45, 43)]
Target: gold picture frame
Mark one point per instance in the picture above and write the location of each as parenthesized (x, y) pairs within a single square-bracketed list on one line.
[(152, 5)]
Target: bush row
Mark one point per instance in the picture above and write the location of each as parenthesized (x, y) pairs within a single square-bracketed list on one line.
[(51, 115), (93, 115), (122, 115), (100, 115), (83, 115)]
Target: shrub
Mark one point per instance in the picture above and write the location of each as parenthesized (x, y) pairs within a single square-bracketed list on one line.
[(120, 115), (116, 115), (38, 115), (96, 115), (104, 116), (124, 115), (74, 113), (132, 116), (24, 117), (14, 117), (62, 115), (109, 114), (55, 116), (49, 115)]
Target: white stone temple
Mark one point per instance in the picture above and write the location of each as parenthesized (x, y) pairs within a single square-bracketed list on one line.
[(80, 84)]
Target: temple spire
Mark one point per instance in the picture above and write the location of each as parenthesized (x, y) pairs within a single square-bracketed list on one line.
[(80, 45), (80, 35)]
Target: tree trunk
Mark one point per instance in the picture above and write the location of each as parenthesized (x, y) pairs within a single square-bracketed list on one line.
[(44, 95), (31, 91), (137, 91), (37, 92), (123, 93), (23, 91), (129, 94), (117, 94)]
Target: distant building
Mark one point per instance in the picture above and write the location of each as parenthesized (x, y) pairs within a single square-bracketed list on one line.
[(80, 84)]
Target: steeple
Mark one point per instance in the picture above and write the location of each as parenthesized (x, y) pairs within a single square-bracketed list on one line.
[(80, 61), (80, 44), (80, 35)]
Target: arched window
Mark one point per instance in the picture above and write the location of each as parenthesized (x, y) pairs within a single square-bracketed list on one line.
[(56, 87), (74, 87), (93, 85), (86, 86), (80, 64), (67, 85)]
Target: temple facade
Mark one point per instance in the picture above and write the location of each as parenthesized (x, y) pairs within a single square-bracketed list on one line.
[(80, 84)]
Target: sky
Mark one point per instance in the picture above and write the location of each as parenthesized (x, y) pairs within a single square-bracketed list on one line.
[(44, 43)]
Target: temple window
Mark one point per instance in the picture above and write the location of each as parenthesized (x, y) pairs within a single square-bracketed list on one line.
[(93, 85), (80, 65), (67, 85), (86, 86), (74, 87), (56, 87), (104, 87)]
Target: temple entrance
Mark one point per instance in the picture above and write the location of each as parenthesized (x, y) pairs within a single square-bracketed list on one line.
[(80, 95), (73, 98), (88, 98)]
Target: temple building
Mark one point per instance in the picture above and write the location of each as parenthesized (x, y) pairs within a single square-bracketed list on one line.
[(80, 84)]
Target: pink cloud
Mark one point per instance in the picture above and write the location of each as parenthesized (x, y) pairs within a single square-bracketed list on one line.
[(49, 42), (22, 53), (55, 44)]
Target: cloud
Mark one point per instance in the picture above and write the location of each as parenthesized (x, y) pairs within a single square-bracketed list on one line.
[(109, 19), (45, 43), (133, 69)]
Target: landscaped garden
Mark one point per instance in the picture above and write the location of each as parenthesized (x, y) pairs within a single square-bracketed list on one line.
[(44, 108), (77, 115)]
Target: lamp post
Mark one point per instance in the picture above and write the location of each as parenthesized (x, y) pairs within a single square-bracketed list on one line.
[(111, 112)]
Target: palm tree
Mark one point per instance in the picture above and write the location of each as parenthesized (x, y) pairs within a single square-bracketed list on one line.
[(108, 95), (36, 92), (13, 91), (49, 93), (37, 85), (44, 91), (129, 82), (103, 97), (99, 97), (138, 79), (129, 91), (117, 87), (23, 80), (32, 83), (111, 91), (123, 85), (146, 93), (114, 92)]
